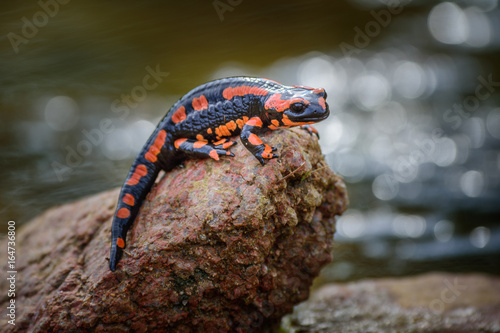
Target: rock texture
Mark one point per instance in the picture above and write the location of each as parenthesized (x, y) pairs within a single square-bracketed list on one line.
[(459, 303), (218, 246)]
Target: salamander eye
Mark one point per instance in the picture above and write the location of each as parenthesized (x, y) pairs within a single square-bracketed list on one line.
[(297, 107)]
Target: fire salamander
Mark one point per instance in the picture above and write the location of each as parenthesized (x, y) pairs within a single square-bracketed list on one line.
[(200, 125)]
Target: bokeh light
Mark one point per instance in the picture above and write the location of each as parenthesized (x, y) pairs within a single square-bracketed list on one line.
[(493, 123), (412, 226), (370, 91), (443, 230), (472, 183), (118, 144), (448, 23), (480, 237), (479, 28), (61, 113), (409, 79), (352, 224), (391, 118), (140, 131), (385, 187), (445, 152)]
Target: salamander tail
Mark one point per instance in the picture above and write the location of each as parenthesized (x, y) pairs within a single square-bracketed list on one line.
[(115, 256)]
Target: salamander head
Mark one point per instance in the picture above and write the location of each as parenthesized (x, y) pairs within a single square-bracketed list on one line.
[(298, 105)]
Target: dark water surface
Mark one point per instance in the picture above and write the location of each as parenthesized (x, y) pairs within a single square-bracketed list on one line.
[(413, 89)]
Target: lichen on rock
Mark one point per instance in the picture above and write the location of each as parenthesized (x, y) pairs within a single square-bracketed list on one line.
[(218, 246)]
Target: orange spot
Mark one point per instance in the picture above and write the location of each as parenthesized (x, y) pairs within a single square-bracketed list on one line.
[(254, 139), (123, 213), (275, 122), (120, 242), (224, 130), (155, 148), (162, 135), (179, 142), (209, 131), (289, 122), (322, 102), (298, 99), (268, 152), (218, 133), (272, 127), (200, 137), (231, 125), (245, 119), (230, 92), (276, 103), (227, 145), (200, 103), (213, 154), (255, 121), (199, 144), (151, 157), (140, 171), (240, 123), (179, 115), (129, 199), (219, 142)]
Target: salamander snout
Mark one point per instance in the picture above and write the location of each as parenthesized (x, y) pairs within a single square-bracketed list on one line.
[(309, 106)]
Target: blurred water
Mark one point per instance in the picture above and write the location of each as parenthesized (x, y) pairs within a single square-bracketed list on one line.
[(413, 89)]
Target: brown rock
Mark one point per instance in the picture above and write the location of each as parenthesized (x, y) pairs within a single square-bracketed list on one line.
[(218, 246), (435, 302)]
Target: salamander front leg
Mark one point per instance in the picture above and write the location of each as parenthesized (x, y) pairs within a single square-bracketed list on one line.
[(310, 129), (253, 143)]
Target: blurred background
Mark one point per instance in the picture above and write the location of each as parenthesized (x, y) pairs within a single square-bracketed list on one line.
[(413, 87)]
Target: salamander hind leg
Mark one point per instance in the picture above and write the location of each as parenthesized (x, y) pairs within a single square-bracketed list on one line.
[(223, 143), (204, 149)]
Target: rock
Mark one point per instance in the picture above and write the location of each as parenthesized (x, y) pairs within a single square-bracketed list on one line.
[(434, 302), (218, 246)]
